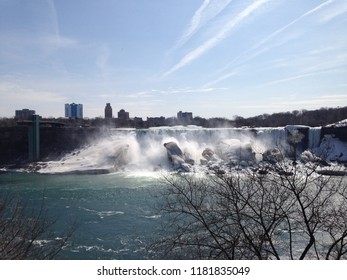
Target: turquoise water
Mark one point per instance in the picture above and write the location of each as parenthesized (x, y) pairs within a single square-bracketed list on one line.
[(116, 215)]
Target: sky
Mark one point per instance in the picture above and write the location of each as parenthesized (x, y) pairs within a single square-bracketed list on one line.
[(152, 58)]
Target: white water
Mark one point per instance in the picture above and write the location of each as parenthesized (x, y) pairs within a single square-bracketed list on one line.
[(143, 150), (314, 137)]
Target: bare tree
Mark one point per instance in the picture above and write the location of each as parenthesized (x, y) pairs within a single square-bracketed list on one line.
[(293, 213), (26, 233)]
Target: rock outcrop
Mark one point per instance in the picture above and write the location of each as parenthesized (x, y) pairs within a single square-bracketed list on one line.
[(273, 155), (180, 160), (234, 150)]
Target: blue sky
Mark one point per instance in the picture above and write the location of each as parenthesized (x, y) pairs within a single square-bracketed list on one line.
[(215, 58)]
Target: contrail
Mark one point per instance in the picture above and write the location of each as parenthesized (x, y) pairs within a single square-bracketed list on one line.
[(194, 24), (221, 35), (226, 76), (208, 10), (272, 35), (339, 10), (293, 22)]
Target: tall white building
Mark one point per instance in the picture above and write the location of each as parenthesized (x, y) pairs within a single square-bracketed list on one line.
[(74, 111)]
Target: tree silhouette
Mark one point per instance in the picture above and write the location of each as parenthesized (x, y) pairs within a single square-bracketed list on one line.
[(27, 233), (294, 213)]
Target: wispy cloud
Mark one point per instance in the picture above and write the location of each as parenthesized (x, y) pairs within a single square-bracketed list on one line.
[(208, 10), (14, 96), (21, 94), (294, 103), (292, 78), (194, 25), (262, 46), (40, 36), (172, 90), (268, 43), (330, 100), (282, 29), (222, 78), (221, 35), (103, 57), (320, 61), (49, 33), (334, 11), (54, 42)]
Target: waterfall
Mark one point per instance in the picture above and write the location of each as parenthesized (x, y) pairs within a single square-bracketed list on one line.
[(143, 149), (271, 137), (314, 135)]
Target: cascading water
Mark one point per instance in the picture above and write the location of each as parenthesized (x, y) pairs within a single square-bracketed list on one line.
[(143, 150), (314, 137)]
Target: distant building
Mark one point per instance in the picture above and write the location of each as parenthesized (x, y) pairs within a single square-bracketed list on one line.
[(74, 111), (157, 121), (185, 117), (108, 111), (24, 114), (122, 115), (138, 122)]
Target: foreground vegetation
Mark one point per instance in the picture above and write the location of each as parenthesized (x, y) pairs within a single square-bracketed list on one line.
[(26, 233), (293, 213)]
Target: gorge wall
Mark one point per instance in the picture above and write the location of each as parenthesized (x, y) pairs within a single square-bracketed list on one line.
[(54, 142)]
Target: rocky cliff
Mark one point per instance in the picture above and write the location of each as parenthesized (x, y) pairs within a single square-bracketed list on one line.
[(54, 142)]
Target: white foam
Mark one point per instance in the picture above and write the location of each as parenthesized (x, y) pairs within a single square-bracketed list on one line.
[(143, 152)]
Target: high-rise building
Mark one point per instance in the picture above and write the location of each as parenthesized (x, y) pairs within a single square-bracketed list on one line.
[(24, 114), (74, 111), (108, 111)]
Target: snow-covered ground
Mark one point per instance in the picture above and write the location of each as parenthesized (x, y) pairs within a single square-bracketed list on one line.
[(332, 149), (339, 124)]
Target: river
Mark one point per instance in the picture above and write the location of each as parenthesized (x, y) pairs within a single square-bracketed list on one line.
[(116, 214)]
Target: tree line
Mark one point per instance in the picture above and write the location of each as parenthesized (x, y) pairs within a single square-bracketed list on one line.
[(320, 117)]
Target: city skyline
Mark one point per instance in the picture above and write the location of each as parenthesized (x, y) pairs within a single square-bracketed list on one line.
[(73, 110), (216, 58)]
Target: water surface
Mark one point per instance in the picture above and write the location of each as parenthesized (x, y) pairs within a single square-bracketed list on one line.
[(116, 214)]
